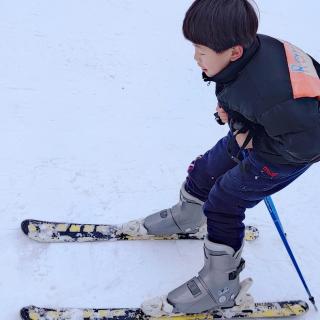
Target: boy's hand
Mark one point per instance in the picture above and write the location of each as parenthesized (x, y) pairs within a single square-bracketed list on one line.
[(241, 137), (222, 114)]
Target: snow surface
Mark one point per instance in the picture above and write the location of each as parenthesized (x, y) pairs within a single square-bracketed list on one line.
[(102, 110)]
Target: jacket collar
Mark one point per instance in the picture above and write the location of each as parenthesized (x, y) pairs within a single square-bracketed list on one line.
[(232, 71)]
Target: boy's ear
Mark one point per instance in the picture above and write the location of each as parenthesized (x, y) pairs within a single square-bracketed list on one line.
[(236, 53)]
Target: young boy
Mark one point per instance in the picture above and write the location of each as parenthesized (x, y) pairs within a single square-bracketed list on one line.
[(268, 92)]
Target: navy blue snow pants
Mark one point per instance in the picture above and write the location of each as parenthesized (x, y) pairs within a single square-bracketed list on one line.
[(228, 188)]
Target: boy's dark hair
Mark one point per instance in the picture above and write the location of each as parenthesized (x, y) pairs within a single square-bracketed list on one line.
[(221, 24)]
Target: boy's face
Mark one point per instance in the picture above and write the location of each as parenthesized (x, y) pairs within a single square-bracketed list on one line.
[(212, 62)]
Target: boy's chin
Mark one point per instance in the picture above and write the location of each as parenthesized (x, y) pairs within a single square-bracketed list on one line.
[(208, 74)]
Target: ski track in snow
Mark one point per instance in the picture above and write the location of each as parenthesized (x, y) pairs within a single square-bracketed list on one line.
[(103, 109)]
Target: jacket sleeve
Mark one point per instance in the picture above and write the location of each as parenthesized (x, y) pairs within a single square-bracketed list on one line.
[(293, 127), (316, 65), (292, 116)]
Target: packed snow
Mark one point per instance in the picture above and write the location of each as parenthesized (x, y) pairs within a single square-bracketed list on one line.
[(102, 110)]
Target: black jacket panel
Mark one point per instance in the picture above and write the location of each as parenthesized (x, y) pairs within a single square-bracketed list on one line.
[(292, 132)]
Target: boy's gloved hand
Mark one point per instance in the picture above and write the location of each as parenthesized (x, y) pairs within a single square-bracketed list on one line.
[(222, 115)]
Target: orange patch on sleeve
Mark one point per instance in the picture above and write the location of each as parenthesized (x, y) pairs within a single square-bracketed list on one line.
[(303, 75)]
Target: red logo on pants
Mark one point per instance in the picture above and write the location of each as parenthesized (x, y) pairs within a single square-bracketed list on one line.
[(268, 171)]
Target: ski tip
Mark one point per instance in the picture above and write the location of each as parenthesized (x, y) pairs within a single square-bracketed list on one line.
[(30, 223), (24, 313), (24, 226)]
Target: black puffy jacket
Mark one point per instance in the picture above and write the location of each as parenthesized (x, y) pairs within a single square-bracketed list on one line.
[(281, 108)]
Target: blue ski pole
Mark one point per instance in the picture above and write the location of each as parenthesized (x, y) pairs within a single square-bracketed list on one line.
[(275, 217), (274, 214)]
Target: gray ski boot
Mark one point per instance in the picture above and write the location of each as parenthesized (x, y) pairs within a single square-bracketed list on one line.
[(217, 284), (184, 217)]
